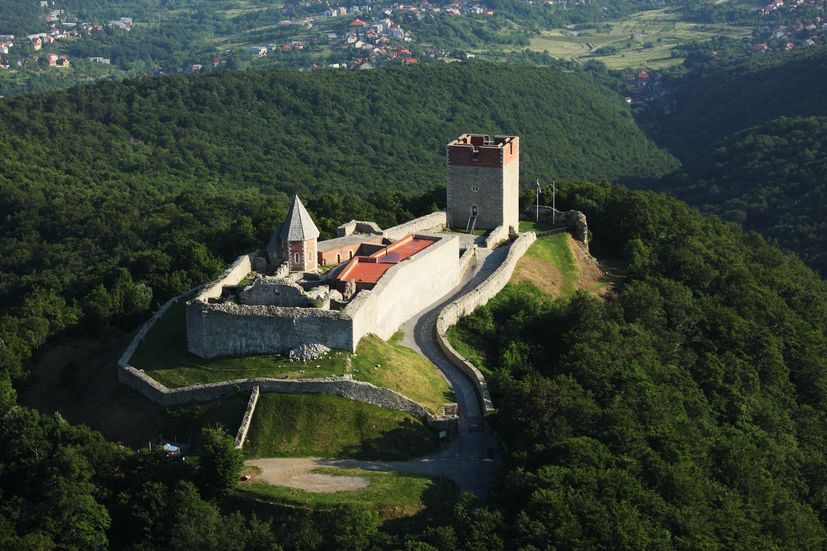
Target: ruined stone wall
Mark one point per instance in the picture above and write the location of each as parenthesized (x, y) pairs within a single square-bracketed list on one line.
[(242, 266), (235, 329), (357, 226), (430, 222), (268, 291), (406, 289), (470, 301), (244, 428), (496, 236), (338, 386)]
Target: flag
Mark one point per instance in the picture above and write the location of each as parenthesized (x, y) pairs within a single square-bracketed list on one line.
[(539, 189)]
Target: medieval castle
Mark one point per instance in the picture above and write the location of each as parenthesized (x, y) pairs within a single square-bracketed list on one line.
[(301, 291)]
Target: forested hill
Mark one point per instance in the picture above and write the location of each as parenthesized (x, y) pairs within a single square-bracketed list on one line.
[(769, 179), (712, 105), (115, 196), (282, 130)]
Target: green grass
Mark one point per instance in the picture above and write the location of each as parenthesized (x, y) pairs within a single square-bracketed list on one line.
[(392, 495), (301, 425), (527, 225), (163, 355), (555, 251), (402, 369)]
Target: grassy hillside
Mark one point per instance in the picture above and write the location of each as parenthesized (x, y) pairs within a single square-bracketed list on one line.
[(711, 105), (300, 425), (769, 179)]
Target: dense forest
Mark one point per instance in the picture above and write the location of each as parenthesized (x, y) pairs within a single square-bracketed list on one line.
[(714, 101), (769, 179), (686, 413)]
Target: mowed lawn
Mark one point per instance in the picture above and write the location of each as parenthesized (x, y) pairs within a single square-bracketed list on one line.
[(163, 355), (316, 425), (391, 495)]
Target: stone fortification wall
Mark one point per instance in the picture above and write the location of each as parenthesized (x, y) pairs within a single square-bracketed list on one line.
[(406, 289), (467, 303), (242, 266), (244, 428), (430, 222), (338, 386), (496, 236), (229, 329), (357, 226), (468, 259)]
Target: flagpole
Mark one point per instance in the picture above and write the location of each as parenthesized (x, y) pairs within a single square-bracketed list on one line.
[(553, 202), (538, 201)]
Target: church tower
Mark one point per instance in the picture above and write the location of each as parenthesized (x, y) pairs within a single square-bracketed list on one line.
[(483, 175), (294, 241)]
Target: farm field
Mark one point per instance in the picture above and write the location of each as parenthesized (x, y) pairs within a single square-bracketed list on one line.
[(646, 40)]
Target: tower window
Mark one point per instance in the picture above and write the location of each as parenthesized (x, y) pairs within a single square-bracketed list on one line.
[(475, 188), (296, 258)]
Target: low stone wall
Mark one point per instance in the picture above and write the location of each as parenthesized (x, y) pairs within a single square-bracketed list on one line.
[(470, 301), (242, 266), (357, 226), (241, 436), (468, 259), (345, 387), (497, 236), (433, 222)]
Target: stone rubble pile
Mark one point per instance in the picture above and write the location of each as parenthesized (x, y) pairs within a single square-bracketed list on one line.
[(307, 352)]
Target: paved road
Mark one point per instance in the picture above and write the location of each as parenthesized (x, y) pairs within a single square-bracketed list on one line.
[(470, 458)]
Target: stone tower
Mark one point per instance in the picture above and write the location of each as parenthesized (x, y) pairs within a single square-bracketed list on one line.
[(294, 241), (483, 181)]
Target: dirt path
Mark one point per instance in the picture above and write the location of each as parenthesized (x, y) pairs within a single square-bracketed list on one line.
[(296, 473)]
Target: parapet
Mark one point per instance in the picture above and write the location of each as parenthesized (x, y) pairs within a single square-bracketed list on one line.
[(483, 150)]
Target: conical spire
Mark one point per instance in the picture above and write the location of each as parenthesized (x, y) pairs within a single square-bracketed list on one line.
[(298, 226)]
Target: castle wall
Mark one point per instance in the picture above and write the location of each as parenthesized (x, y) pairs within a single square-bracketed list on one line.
[(405, 290), (274, 292), (242, 266), (229, 329), (338, 386), (469, 302), (435, 221)]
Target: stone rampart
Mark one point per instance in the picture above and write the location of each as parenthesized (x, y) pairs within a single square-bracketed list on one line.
[(496, 236), (430, 222), (345, 387), (229, 329), (358, 226), (242, 266), (405, 290), (470, 301), (244, 428)]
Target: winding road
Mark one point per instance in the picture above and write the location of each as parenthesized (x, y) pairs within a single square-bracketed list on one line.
[(471, 457)]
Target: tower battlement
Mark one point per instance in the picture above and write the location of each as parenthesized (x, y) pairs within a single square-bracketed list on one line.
[(483, 150)]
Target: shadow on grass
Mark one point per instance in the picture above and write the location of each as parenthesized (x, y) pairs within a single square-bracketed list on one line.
[(409, 440)]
